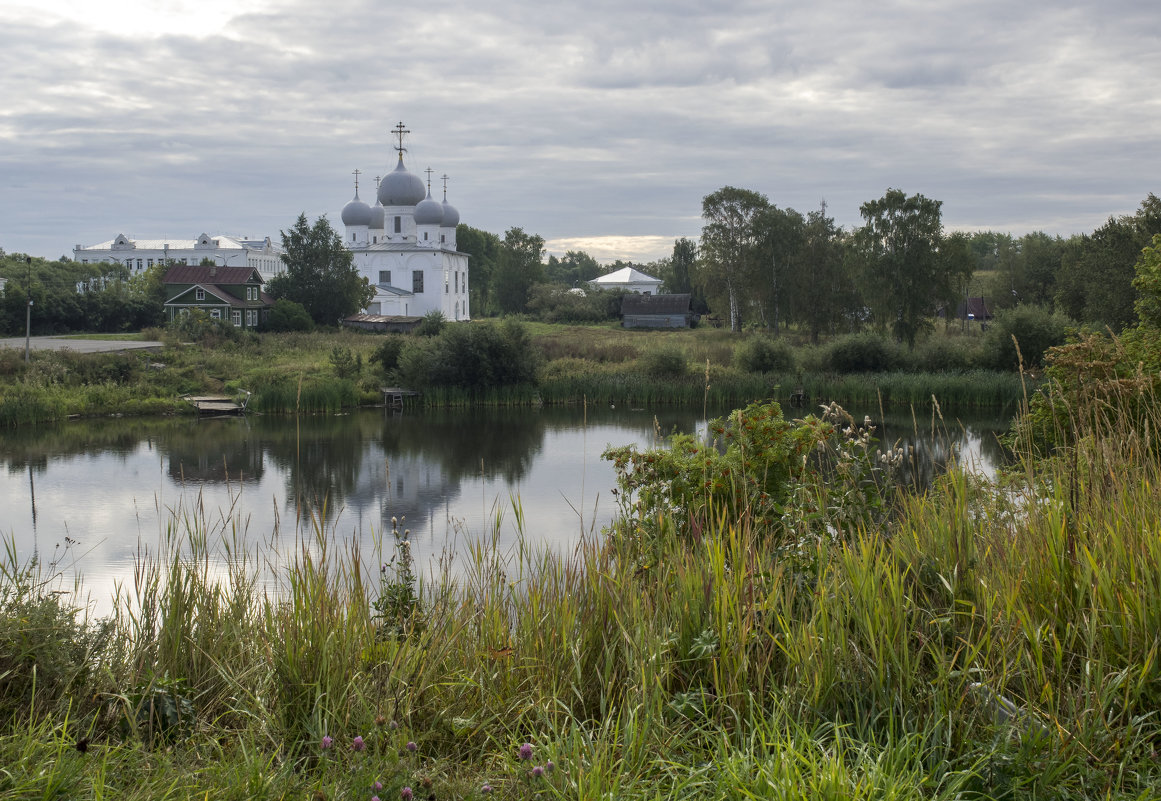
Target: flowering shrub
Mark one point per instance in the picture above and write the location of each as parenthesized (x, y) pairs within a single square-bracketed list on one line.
[(745, 470), (758, 468)]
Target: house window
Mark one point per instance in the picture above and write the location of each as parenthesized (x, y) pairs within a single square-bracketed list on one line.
[(352, 237), (139, 264), (425, 236), (385, 277), (237, 318), (442, 239), (215, 314), (149, 262), (457, 282), (199, 294), (251, 318), (417, 281), (398, 225)]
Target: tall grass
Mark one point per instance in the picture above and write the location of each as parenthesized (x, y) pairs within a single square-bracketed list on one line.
[(988, 641)]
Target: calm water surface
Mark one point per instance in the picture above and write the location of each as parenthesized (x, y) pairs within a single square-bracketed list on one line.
[(91, 496)]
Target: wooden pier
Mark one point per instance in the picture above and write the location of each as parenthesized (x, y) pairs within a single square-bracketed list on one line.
[(217, 405), (393, 397)]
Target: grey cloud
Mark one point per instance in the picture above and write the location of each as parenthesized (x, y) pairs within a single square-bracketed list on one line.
[(601, 118)]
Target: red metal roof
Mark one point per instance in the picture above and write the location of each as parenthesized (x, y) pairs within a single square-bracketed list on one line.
[(205, 274)]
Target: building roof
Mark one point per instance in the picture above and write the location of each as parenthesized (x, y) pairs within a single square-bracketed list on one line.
[(206, 274), (626, 275), (218, 294), (655, 304), (975, 307), (219, 242)]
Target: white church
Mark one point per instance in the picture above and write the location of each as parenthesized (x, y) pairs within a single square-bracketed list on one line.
[(405, 245)]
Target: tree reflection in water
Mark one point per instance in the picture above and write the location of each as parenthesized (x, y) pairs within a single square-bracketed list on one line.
[(112, 483)]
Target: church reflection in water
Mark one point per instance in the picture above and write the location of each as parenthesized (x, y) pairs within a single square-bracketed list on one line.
[(113, 484)]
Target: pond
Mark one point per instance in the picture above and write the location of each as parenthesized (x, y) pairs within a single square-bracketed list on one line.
[(89, 496)]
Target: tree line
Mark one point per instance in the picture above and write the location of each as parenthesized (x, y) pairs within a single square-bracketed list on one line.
[(756, 265), (759, 265)]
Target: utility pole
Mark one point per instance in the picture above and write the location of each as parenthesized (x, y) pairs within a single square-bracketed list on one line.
[(28, 311)]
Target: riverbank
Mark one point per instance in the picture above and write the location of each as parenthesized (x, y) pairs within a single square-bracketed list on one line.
[(326, 372), (971, 642)]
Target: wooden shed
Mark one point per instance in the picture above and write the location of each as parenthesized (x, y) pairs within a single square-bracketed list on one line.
[(657, 311)]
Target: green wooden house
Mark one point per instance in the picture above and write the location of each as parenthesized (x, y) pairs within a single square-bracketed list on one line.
[(233, 294)]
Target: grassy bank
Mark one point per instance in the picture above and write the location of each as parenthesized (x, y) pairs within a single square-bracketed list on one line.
[(325, 372), (976, 641)]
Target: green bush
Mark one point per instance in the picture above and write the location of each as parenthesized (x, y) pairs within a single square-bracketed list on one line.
[(471, 356), (46, 649), (286, 315), (862, 353), (387, 354), (944, 354), (345, 363), (667, 361), (764, 355), (197, 326), (431, 325), (557, 303), (1035, 328)]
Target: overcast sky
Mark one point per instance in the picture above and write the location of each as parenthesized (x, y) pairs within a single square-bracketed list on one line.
[(599, 126)]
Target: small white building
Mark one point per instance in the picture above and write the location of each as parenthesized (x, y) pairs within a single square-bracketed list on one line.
[(630, 279), (405, 246), (139, 255)]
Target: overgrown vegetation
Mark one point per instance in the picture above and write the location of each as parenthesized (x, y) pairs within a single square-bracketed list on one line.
[(833, 638), (498, 363)]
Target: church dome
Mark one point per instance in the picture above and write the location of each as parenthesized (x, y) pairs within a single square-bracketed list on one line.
[(451, 217), (356, 212), (429, 212), (401, 188), (378, 216)]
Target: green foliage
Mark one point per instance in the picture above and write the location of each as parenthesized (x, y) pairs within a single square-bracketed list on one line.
[(1095, 282), (198, 326), (320, 273), (345, 363), (903, 271), (1093, 385), (287, 315), (1034, 328), (556, 303), (575, 269), (861, 353), (70, 296), (978, 640), (396, 606), (483, 249), (1148, 284), (431, 325), (760, 354), (475, 356), (665, 361), (518, 268), (729, 253), (941, 354), (48, 650), (746, 471), (388, 351)]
